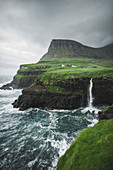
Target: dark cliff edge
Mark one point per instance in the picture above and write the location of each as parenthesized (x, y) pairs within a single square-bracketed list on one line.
[(69, 94), (25, 76)]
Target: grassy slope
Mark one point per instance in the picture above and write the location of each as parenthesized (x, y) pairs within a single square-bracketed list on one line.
[(92, 149), (57, 73), (104, 68)]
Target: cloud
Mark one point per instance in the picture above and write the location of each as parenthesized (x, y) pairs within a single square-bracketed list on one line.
[(27, 27)]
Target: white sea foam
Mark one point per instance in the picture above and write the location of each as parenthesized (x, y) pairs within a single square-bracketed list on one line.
[(94, 121), (91, 109)]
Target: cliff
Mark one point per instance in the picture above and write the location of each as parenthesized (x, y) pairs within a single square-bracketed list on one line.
[(25, 76), (71, 93)]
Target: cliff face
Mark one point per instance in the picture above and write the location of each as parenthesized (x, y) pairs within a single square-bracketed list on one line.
[(69, 94), (62, 95), (25, 77), (103, 91), (72, 49)]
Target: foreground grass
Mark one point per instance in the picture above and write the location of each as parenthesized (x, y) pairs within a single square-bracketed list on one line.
[(92, 149)]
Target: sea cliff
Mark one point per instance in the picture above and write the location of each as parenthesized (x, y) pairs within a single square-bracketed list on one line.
[(68, 94)]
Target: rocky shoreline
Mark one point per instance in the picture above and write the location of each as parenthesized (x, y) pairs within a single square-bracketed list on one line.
[(71, 94)]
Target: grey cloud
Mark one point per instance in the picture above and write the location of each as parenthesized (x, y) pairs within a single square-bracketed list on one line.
[(28, 26)]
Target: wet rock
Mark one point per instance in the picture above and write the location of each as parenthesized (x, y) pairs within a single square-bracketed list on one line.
[(103, 91), (106, 113)]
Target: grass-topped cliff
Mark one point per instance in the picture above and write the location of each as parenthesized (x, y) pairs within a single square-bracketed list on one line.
[(51, 71), (92, 149), (90, 62)]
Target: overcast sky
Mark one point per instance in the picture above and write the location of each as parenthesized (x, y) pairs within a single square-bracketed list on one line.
[(28, 26)]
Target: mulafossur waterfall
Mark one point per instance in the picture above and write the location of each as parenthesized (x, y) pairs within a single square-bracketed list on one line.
[(90, 100)]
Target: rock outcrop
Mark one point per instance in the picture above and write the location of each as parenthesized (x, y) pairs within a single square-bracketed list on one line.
[(62, 95), (106, 113), (103, 91), (25, 77), (68, 94)]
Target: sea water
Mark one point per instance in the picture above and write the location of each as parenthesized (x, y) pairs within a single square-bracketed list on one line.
[(34, 139)]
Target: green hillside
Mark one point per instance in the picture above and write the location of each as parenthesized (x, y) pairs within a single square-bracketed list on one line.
[(92, 149)]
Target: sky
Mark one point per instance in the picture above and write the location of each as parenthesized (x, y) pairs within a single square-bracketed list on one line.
[(28, 26)]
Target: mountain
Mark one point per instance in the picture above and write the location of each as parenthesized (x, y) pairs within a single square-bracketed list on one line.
[(60, 48)]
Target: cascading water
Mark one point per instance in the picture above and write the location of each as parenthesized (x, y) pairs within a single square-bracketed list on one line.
[(90, 100)]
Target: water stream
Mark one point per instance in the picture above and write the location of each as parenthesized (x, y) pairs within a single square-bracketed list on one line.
[(90, 106), (90, 100)]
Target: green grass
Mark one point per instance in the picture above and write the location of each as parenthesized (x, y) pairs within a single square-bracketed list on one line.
[(107, 108), (57, 73), (30, 70), (66, 73), (19, 76), (77, 61), (55, 89), (92, 149)]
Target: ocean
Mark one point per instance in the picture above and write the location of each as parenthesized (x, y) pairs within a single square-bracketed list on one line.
[(34, 139)]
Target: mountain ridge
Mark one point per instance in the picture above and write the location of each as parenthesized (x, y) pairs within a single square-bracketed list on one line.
[(63, 48)]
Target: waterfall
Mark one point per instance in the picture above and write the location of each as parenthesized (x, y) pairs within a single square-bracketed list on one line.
[(90, 100)]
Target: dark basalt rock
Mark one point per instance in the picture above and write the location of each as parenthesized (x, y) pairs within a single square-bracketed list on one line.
[(74, 96), (106, 114), (103, 91), (47, 100), (37, 96), (6, 87)]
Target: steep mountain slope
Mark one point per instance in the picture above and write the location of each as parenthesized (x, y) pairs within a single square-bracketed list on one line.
[(71, 49)]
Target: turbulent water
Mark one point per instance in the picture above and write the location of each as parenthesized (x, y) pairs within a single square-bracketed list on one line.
[(35, 139)]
